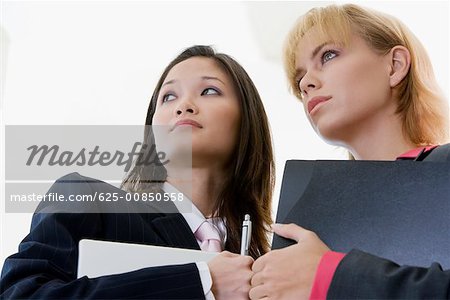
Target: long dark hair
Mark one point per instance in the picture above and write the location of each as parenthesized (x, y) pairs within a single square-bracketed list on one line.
[(249, 184)]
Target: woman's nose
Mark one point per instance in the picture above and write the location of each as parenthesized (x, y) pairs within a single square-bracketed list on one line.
[(188, 110), (186, 107), (308, 82)]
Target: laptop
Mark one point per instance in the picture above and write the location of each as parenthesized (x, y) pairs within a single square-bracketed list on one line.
[(397, 210), (99, 258)]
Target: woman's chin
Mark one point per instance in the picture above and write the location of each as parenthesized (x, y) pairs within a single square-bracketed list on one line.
[(330, 134)]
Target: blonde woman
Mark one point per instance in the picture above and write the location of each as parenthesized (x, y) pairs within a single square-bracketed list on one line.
[(366, 84)]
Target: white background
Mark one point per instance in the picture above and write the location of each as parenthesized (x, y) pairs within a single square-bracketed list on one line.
[(86, 62)]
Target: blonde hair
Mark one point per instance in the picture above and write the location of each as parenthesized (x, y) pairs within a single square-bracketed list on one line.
[(421, 105)]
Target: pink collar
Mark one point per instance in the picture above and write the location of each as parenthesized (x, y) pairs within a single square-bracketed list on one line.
[(411, 154)]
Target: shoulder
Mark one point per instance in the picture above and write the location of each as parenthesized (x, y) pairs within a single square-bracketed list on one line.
[(75, 193), (76, 177), (82, 194), (439, 154), (76, 182)]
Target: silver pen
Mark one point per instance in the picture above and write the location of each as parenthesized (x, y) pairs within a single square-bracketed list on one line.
[(246, 234)]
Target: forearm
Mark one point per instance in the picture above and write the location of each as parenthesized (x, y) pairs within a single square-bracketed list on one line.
[(361, 275), (27, 279)]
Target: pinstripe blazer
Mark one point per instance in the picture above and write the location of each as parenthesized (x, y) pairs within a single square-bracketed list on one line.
[(46, 264)]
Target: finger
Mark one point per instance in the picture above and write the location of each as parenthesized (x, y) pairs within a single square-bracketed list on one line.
[(290, 231), (257, 279), (228, 254), (247, 264), (245, 287), (259, 264), (248, 260), (249, 277), (258, 292)]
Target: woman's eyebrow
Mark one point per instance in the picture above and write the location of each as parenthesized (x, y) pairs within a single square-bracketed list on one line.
[(313, 55), (212, 78), (203, 78), (318, 48), (169, 82)]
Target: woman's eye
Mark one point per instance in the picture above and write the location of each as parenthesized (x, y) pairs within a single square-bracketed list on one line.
[(210, 91), (168, 97), (328, 55)]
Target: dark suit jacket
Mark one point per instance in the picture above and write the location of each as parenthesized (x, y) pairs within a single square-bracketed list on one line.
[(46, 264), (364, 276)]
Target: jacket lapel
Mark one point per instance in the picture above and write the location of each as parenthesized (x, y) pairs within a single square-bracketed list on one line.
[(175, 231)]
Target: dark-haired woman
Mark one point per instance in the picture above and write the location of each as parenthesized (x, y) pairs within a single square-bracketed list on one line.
[(208, 99)]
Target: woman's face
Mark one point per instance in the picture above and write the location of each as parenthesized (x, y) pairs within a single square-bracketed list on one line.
[(198, 100), (346, 90)]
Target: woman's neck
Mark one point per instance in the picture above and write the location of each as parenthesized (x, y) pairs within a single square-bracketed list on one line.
[(379, 140), (202, 186), (387, 148)]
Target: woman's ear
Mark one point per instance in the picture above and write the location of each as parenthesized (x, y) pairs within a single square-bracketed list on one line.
[(400, 63)]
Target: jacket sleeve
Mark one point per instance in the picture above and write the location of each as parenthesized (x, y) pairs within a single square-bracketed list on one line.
[(362, 275), (46, 264)]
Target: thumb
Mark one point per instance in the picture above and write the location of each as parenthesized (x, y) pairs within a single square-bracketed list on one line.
[(228, 254), (290, 231)]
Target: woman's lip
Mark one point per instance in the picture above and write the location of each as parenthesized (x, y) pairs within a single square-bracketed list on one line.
[(316, 101), (187, 122)]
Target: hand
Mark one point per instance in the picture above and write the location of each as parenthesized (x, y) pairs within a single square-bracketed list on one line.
[(288, 273), (231, 274)]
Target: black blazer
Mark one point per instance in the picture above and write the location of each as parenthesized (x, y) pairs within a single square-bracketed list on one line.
[(46, 264), (364, 276)]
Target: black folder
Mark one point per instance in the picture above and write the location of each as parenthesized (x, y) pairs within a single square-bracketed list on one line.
[(397, 210)]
